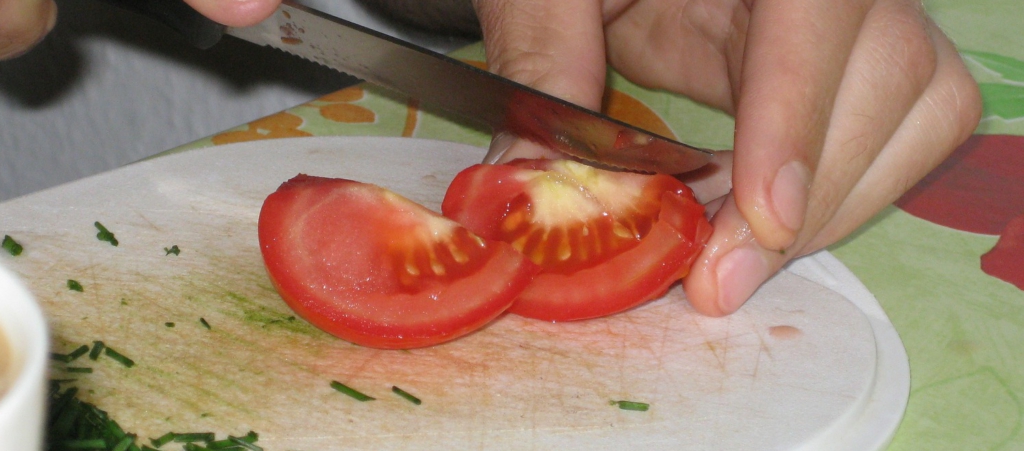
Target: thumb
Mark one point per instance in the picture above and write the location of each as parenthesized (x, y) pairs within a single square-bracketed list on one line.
[(23, 23), (554, 47), (235, 13)]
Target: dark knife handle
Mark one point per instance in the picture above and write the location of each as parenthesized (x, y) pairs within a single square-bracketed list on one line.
[(196, 28)]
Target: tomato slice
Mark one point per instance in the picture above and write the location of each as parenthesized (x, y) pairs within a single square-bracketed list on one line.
[(374, 268), (606, 241)]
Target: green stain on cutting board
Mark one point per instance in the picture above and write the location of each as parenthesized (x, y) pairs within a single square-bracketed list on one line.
[(256, 313)]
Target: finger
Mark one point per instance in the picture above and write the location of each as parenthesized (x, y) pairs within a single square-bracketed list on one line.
[(892, 63), (731, 267), (713, 180), (734, 264), (683, 47), (944, 117), (555, 47), (235, 13), (506, 147), (795, 56), (23, 23)]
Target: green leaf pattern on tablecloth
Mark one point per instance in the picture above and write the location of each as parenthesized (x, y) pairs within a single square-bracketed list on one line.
[(990, 406), (1008, 68), (1004, 99)]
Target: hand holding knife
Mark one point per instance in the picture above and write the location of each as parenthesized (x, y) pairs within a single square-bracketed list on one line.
[(474, 94)]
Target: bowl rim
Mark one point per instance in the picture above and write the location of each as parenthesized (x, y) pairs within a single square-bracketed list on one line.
[(33, 336)]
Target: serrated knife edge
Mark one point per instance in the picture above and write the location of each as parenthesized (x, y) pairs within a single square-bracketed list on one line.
[(474, 94)]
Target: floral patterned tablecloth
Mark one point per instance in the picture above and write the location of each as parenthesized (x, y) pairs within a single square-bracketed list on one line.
[(946, 261)]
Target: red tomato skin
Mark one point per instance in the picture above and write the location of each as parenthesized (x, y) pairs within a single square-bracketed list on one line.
[(464, 196), (480, 197), (662, 258), (379, 313)]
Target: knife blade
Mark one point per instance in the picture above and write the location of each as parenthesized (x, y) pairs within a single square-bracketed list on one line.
[(474, 94)]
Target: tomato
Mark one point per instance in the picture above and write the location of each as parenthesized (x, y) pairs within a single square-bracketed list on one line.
[(606, 241), (376, 269)]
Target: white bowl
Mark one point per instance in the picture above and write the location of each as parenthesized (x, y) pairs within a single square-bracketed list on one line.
[(24, 335)]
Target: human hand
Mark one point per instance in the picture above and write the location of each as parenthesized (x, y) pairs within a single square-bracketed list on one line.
[(840, 107), (235, 13), (23, 23)]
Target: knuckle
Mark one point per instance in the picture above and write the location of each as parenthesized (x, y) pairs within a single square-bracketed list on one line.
[(902, 42)]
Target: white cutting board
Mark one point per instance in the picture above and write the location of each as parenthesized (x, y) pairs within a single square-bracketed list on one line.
[(799, 367)]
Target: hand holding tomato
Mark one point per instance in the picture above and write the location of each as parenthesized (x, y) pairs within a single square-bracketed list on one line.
[(840, 107)]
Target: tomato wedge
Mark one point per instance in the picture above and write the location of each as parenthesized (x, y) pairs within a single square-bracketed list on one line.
[(374, 268), (606, 241)]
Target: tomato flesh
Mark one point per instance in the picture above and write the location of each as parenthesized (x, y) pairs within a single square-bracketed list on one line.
[(606, 241), (376, 269)]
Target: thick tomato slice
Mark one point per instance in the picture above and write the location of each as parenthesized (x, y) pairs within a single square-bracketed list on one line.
[(376, 269), (606, 241)]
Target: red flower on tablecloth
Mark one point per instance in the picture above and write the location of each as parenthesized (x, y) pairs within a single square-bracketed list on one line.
[(979, 189), (1006, 259)]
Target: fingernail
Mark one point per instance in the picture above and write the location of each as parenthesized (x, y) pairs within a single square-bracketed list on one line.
[(789, 194), (500, 143), (739, 273), (52, 20)]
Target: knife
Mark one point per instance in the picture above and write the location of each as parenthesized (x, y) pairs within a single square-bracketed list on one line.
[(474, 94)]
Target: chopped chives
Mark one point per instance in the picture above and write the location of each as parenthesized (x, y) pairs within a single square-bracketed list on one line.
[(631, 405), (408, 396), (97, 348), (172, 250), (63, 400), (104, 234), (250, 437), (74, 355), (66, 418), (114, 430), (205, 324), (78, 353), (190, 437), (78, 369), (93, 443), (222, 444), (247, 445), (74, 285), (350, 391), (120, 358), (123, 445), (12, 246), (162, 440), (74, 425)]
